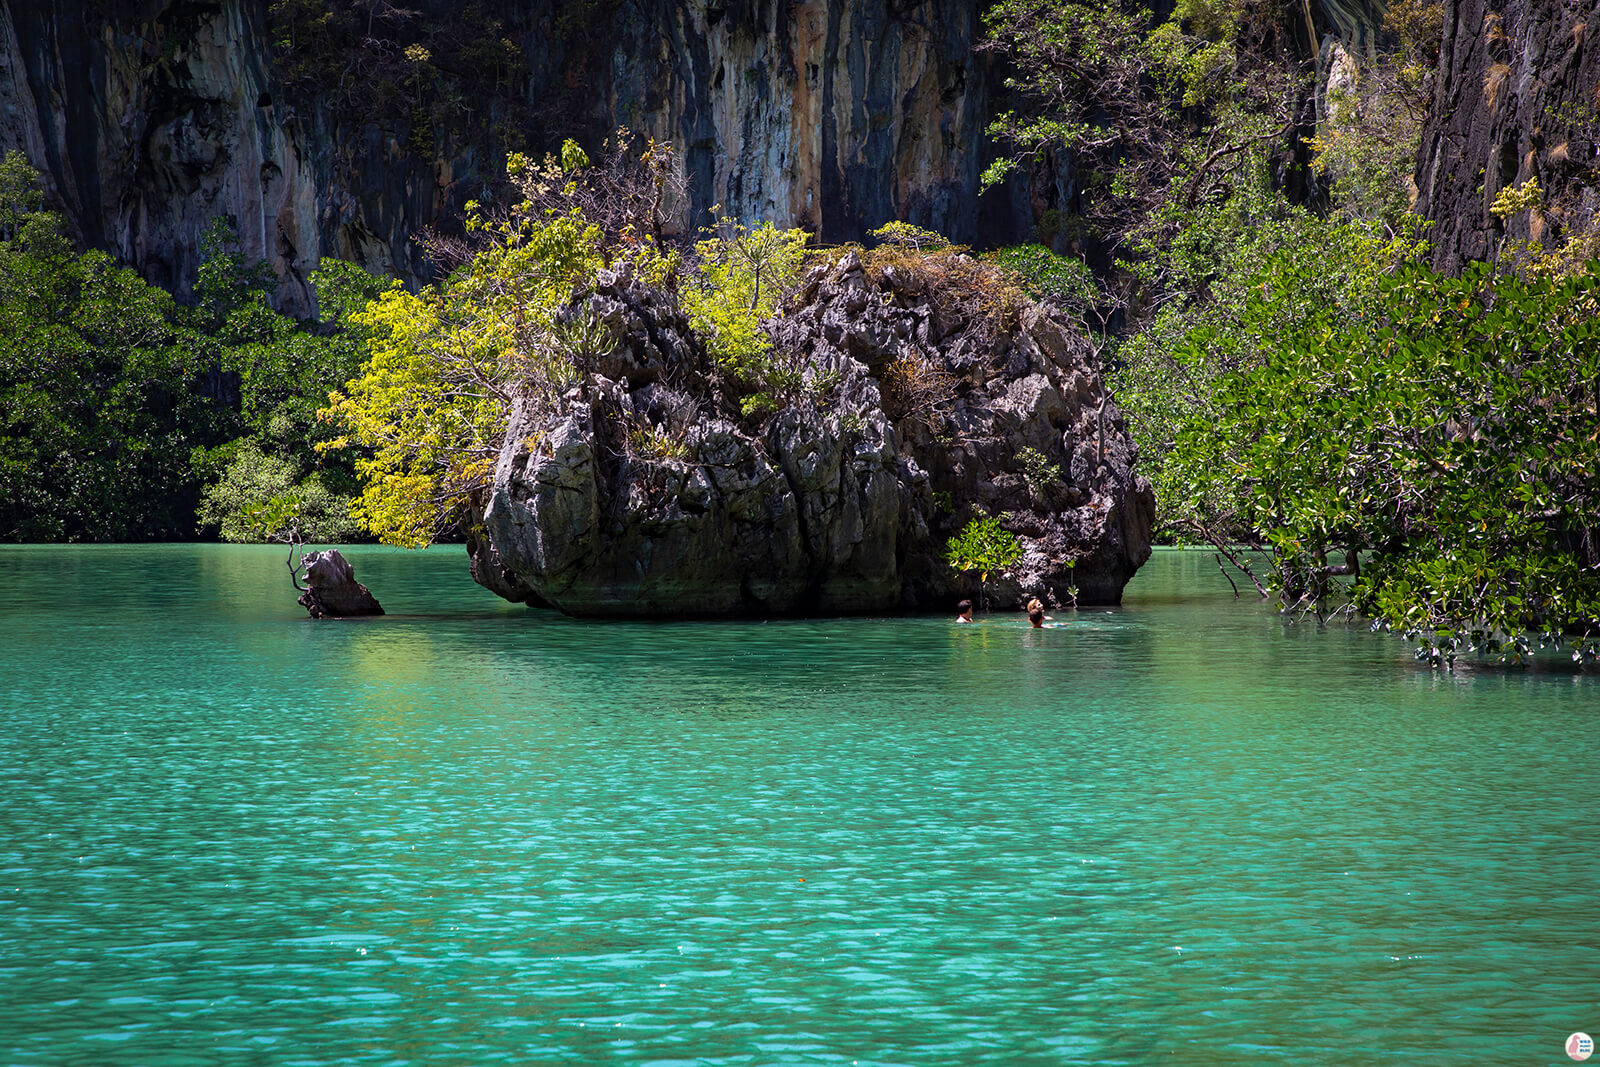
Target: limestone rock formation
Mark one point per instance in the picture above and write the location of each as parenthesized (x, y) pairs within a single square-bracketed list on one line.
[(834, 115), (1517, 99), (1351, 24), (146, 127), (148, 118), (649, 494), (331, 588)]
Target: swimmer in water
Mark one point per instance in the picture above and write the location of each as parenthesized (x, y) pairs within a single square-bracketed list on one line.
[(964, 611), (1037, 618)]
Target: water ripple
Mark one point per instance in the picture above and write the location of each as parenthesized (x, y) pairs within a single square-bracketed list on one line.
[(467, 833)]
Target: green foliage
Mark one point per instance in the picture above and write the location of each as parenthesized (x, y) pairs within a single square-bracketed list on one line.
[(1449, 437), (1178, 125), (1256, 272), (915, 238), (1047, 276), (22, 202), (1368, 145), (98, 410), (983, 545), (654, 443), (430, 406), (573, 157), (1064, 53), (231, 293), (1290, 376), (743, 273), (1515, 199), (1148, 108), (1370, 123), (631, 192), (285, 372), (1041, 475), (113, 424), (1419, 27), (260, 495), (431, 403)]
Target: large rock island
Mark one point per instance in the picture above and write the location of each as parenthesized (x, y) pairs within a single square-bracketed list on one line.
[(918, 396)]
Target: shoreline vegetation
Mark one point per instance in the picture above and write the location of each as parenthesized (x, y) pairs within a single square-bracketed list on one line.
[(1417, 449)]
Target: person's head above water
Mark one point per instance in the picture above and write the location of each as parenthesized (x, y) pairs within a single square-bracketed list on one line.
[(964, 611), (1036, 612)]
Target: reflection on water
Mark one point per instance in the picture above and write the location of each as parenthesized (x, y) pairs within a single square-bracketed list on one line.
[(468, 832)]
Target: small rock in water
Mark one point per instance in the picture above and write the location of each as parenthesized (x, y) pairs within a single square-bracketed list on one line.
[(332, 589)]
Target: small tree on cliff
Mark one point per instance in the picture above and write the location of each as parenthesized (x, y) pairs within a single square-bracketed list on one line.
[(983, 545), (740, 277)]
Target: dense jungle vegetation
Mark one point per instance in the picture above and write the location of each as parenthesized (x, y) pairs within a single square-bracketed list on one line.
[(1416, 448)]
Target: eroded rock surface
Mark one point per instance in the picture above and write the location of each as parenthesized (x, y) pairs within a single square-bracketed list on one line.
[(149, 118), (649, 494)]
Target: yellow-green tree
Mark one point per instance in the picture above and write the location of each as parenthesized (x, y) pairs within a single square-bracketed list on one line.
[(430, 409), (431, 405), (743, 274)]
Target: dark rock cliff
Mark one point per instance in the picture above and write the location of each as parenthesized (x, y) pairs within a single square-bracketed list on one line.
[(830, 115), (150, 117), (1518, 98), (922, 412)]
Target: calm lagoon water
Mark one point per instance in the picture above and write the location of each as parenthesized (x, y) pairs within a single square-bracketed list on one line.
[(468, 833)]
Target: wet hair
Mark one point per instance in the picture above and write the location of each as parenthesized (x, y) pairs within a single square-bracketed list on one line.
[(1035, 613), (963, 607)]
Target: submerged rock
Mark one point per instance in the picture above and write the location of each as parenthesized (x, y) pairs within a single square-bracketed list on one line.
[(332, 589), (903, 413)]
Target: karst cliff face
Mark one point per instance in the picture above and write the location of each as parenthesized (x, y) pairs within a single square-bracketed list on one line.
[(1518, 98), (150, 118), (833, 116), (146, 126)]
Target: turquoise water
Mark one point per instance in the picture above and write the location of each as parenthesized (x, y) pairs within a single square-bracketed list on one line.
[(467, 833)]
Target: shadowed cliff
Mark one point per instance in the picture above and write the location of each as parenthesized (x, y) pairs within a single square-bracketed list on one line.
[(150, 118), (342, 129), (1518, 99)]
